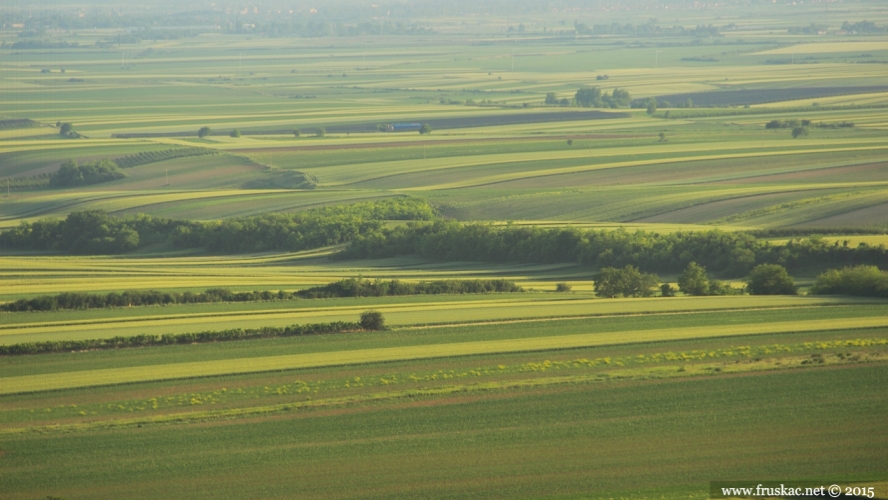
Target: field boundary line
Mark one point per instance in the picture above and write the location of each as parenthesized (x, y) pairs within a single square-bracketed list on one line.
[(153, 373)]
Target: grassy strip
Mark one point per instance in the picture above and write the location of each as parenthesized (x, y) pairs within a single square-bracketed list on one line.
[(87, 378), (181, 338)]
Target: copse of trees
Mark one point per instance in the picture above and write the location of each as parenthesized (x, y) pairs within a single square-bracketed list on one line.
[(861, 281), (593, 97), (770, 279), (626, 282), (70, 174), (694, 281)]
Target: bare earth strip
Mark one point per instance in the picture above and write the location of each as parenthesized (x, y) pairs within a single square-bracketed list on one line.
[(88, 378)]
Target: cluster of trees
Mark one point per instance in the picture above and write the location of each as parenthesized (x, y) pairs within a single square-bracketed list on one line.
[(373, 322), (863, 27), (611, 282), (725, 254), (694, 281), (95, 232), (70, 174), (862, 281), (593, 97), (765, 279)]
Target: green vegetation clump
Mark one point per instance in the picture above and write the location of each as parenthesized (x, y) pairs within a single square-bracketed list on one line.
[(770, 279), (593, 97), (70, 174), (693, 281), (372, 320), (861, 281), (627, 282)]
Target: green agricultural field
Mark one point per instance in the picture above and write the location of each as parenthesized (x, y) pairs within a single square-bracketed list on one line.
[(769, 125)]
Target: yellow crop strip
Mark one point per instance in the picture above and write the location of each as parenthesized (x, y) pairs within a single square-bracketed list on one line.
[(113, 376)]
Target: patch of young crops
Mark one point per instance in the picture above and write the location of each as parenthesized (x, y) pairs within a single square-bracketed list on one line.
[(147, 157)]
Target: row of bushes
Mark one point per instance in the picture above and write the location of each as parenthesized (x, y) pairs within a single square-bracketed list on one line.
[(350, 287), (147, 157), (131, 298), (145, 340), (357, 287)]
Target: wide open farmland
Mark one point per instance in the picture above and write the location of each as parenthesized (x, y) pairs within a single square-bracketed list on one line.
[(425, 250)]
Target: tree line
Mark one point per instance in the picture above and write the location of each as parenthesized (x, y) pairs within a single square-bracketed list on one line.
[(349, 287), (723, 253), (95, 232)]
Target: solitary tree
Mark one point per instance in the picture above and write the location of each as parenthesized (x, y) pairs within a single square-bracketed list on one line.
[(551, 98), (662, 136), (321, 132), (296, 132), (652, 106), (372, 320), (563, 287), (203, 132), (693, 280), (799, 132), (425, 129), (570, 142), (66, 128), (235, 133), (770, 279)]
